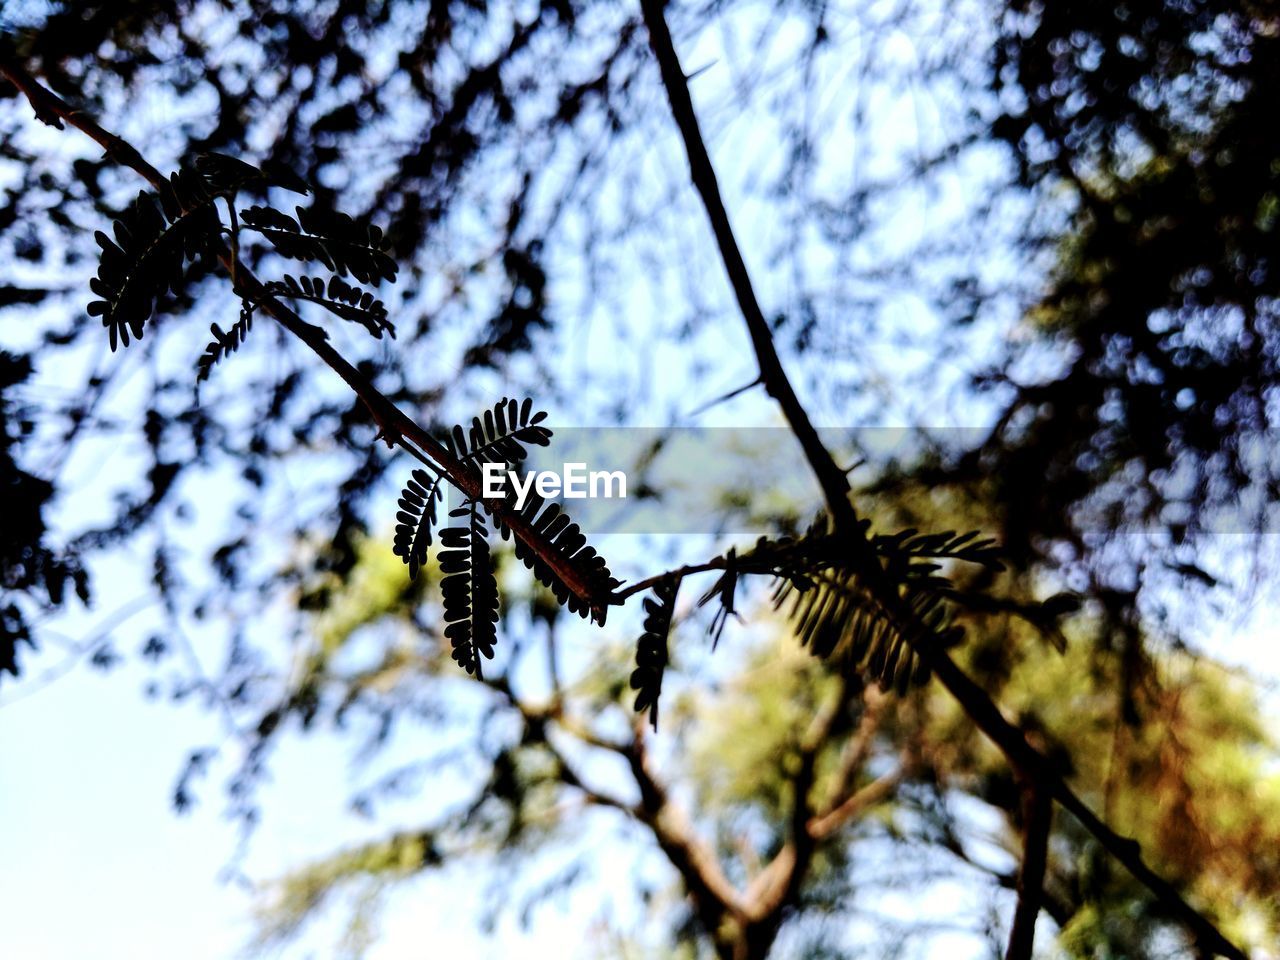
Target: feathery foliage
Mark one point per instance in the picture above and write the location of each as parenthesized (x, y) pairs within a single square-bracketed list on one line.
[(836, 613), (342, 244), (339, 298), (160, 232), (154, 239), (651, 649), (502, 435), (470, 589), (224, 343), (567, 539), (416, 518)]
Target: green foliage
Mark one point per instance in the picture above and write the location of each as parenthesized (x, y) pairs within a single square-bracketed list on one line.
[(775, 694), (374, 866), (1164, 257), (1197, 765), (1184, 763)]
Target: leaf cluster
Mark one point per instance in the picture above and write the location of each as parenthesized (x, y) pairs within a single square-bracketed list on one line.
[(162, 232), (340, 298), (342, 244), (838, 606), (502, 434), (652, 654), (153, 241)]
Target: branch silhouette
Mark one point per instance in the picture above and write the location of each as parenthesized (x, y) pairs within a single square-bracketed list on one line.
[(1038, 816), (397, 428), (836, 489)]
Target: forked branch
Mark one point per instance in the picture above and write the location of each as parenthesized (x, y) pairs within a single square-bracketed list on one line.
[(836, 489)]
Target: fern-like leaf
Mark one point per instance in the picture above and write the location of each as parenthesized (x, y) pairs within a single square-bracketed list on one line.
[(153, 240), (470, 589), (563, 536), (224, 343), (502, 434), (339, 298), (652, 647), (416, 518), (342, 244), (836, 614), (228, 175), (909, 546), (160, 232)]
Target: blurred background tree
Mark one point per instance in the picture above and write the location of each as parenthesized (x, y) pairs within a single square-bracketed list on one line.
[(910, 829), (1069, 246)]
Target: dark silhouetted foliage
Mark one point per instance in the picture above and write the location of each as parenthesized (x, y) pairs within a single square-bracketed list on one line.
[(28, 566), (416, 519), (652, 652), (469, 588)]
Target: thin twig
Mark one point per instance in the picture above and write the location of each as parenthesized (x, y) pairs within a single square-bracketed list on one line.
[(718, 563), (735, 392), (835, 485)]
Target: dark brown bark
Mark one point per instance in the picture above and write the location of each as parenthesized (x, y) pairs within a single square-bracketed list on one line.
[(1037, 812)]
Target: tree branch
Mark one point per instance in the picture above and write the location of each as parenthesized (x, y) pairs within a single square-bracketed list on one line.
[(397, 427), (856, 749), (1060, 909), (718, 563), (714, 897), (1038, 814), (834, 483), (535, 725), (836, 489)]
